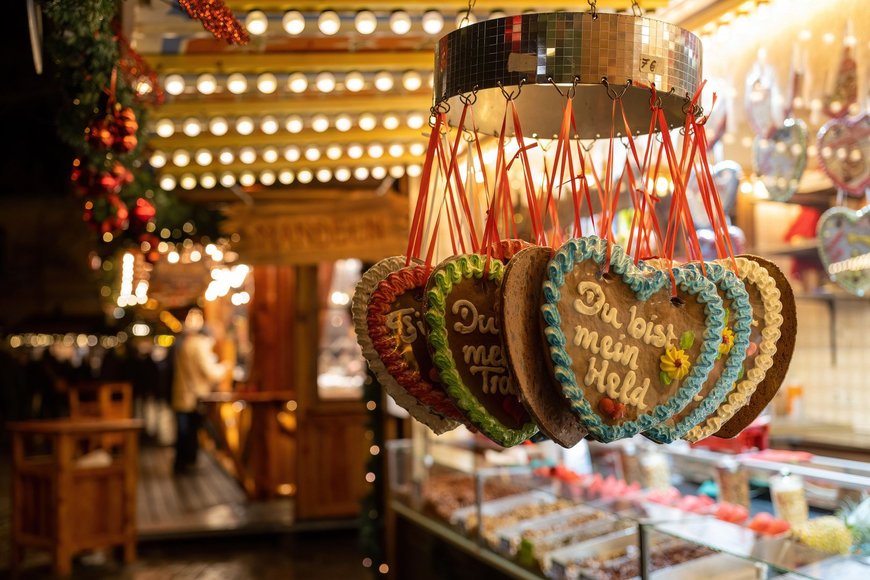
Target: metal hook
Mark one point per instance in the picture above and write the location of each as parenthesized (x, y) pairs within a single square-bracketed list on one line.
[(611, 92), (513, 94), (555, 86), (585, 148), (593, 9)]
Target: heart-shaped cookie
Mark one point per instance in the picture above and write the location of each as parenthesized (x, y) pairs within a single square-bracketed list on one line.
[(392, 322), (844, 247), (614, 336), (729, 362), (465, 341), (844, 152), (764, 337), (520, 296), (781, 158)]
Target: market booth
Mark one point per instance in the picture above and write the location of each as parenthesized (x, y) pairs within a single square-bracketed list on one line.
[(527, 294)]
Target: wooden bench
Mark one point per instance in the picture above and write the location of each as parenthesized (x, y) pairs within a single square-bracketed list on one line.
[(62, 505)]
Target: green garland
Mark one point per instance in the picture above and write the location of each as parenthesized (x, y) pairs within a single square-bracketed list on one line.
[(82, 43)]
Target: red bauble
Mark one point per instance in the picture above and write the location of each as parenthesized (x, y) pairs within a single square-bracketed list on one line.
[(108, 184), (106, 213), (125, 144), (123, 174), (99, 134), (143, 211)]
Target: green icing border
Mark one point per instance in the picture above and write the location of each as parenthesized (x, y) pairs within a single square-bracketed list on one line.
[(441, 283)]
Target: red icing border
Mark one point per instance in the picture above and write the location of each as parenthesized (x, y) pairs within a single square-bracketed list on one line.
[(404, 280)]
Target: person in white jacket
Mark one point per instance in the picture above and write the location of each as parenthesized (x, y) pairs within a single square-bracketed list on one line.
[(196, 373)]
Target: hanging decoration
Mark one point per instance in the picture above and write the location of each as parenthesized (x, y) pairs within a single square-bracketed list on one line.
[(844, 153), (632, 345), (217, 18), (843, 96), (844, 247), (102, 120)]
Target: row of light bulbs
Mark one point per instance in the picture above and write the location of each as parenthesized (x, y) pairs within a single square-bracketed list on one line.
[(291, 153), (268, 177), (297, 82), (270, 125), (365, 22)]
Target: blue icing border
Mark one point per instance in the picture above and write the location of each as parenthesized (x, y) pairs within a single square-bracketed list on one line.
[(644, 281), (741, 314)]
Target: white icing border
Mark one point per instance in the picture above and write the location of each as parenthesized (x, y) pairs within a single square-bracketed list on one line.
[(740, 395), (359, 310)]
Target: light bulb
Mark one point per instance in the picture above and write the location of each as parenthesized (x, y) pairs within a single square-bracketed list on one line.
[(415, 121), (247, 155), (312, 153), (218, 126), (342, 174), (228, 179), (396, 150), (343, 123), (323, 175), (244, 125), (333, 152), (412, 80), (328, 22), (291, 153), (378, 172), (269, 154), (174, 84), (325, 82), (165, 128), (256, 22), (157, 159), (293, 22), (269, 125), (390, 122), (267, 83), (294, 124), (397, 171), (416, 149), (297, 82), (267, 177), (400, 22), (144, 87), (247, 179), (286, 177), (203, 157), (237, 83), (355, 151), (354, 81), (384, 81), (304, 176), (375, 151), (365, 22), (191, 127), (207, 180), (361, 173), (167, 183), (367, 122), (206, 84), (414, 170), (433, 22), (226, 156), (319, 123)]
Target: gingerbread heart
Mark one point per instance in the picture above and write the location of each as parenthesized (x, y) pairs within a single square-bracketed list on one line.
[(844, 152), (778, 365), (388, 329), (520, 300), (729, 362), (764, 338), (781, 158), (844, 247), (465, 341), (614, 334)]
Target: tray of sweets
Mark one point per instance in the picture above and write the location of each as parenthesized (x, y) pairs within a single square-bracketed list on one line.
[(509, 538)]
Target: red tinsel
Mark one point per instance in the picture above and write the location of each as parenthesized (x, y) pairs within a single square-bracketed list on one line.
[(217, 19)]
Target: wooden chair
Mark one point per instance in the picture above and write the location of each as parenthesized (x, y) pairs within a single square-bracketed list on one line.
[(102, 400), (61, 505)]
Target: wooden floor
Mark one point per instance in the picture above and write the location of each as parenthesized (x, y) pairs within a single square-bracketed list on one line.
[(205, 501)]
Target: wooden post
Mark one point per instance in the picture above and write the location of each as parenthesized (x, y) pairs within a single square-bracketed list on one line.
[(16, 554), (131, 463), (63, 455)]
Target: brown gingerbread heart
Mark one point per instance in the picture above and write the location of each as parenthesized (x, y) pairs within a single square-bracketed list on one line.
[(525, 348)]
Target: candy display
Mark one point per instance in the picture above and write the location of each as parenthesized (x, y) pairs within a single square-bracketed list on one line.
[(624, 564), (444, 494), (789, 498)]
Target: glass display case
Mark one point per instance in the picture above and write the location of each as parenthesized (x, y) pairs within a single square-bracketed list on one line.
[(637, 511)]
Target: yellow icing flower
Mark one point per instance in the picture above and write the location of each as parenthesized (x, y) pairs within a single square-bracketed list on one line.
[(675, 363), (727, 341)]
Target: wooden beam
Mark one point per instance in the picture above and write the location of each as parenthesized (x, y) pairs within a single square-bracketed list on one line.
[(510, 6), (282, 138), (306, 104), (283, 62)]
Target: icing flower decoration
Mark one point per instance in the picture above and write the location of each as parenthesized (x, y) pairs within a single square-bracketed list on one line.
[(675, 363), (727, 341)]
